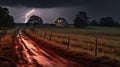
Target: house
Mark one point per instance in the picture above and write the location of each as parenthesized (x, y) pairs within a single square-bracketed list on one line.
[(61, 22)]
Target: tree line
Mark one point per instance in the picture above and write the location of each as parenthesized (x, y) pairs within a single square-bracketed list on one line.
[(81, 20), (6, 20)]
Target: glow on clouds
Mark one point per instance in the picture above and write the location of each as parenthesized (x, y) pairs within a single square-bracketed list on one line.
[(28, 14)]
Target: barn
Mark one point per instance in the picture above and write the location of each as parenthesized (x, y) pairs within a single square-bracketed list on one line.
[(61, 22)]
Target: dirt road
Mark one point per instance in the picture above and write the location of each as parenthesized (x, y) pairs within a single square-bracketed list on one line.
[(29, 54)]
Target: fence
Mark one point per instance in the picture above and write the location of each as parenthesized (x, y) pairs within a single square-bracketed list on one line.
[(91, 44), (67, 41)]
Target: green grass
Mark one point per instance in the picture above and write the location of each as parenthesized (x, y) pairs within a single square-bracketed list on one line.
[(85, 39)]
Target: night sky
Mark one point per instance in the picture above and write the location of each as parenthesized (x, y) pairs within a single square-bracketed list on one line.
[(50, 10)]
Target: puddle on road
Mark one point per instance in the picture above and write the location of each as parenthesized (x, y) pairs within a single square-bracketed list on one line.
[(33, 56), (30, 53)]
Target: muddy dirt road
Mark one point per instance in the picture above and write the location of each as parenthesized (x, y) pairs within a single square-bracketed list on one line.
[(29, 54)]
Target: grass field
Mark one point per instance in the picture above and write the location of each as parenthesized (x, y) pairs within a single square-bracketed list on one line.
[(84, 40), (6, 48)]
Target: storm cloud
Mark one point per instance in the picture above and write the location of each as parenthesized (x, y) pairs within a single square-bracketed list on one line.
[(52, 3), (49, 10)]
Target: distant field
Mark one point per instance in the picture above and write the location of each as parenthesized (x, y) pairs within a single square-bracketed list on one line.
[(85, 39)]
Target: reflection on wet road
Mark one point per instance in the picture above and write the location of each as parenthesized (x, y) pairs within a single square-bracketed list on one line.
[(31, 55)]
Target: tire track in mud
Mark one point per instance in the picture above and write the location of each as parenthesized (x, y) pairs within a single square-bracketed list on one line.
[(31, 55)]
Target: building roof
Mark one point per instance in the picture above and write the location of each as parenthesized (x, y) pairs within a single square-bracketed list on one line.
[(61, 20)]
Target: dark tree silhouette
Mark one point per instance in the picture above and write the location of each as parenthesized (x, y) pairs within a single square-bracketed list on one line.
[(107, 21), (6, 20), (81, 20), (35, 20), (93, 23)]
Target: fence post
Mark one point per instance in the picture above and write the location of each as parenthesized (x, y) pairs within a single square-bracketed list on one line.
[(36, 32), (40, 34), (50, 36), (96, 47), (68, 44), (44, 35)]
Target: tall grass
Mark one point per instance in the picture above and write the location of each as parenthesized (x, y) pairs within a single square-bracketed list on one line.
[(85, 39), (6, 48)]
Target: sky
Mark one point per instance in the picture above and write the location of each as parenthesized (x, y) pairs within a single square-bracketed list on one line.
[(50, 10)]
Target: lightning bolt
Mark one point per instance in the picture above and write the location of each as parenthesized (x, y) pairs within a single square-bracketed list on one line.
[(28, 14)]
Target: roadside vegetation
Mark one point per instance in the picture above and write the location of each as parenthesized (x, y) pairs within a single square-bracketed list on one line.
[(6, 38), (82, 42), (7, 48)]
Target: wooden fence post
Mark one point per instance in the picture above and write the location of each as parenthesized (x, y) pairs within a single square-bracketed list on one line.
[(50, 36), (36, 32), (68, 44), (44, 35), (96, 47), (40, 35)]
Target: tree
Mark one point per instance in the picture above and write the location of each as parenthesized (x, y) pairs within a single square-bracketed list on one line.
[(35, 20), (6, 20), (107, 21), (81, 20), (93, 23)]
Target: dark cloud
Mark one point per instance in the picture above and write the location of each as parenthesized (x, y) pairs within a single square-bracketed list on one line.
[(51, 3), (66, 8)]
